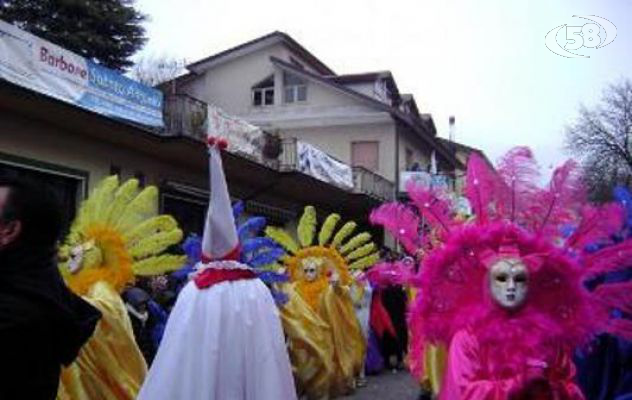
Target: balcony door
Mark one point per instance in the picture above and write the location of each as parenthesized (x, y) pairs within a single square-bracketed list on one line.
[(365, 154)]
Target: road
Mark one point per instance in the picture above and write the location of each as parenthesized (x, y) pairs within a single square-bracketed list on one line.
[(387, 386)]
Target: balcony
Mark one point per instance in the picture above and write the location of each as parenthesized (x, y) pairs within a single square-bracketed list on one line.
[(360, 180), (372, 184), (185, 116)]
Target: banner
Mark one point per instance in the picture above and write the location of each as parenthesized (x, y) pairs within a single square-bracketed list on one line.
[(242, 137), (41, 66), (315, 162), (424, 179)]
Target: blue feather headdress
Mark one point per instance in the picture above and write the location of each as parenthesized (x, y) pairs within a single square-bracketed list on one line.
[(257, 251)]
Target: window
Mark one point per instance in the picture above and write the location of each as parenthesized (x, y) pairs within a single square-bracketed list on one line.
[(67, 185), (263, 92), (365, 154), (295, 88)]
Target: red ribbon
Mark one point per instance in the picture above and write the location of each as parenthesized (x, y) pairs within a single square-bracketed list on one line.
[(213, 276)]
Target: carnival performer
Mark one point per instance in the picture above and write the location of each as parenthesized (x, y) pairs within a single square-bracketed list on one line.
[(506, 291), (223, 339), (326, 344), (259, 252), (407, 225), (604, 369), (117, 235)]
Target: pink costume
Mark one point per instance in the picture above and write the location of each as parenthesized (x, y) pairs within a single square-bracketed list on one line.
[(468, 376), (506, 291)]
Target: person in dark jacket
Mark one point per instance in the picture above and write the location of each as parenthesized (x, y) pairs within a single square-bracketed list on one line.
[(42, 324)]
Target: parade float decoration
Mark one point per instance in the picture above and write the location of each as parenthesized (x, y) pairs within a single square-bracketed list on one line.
[(116, 236)]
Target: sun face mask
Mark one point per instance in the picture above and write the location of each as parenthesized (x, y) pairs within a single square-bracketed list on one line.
[(310, 269), (508, 282)]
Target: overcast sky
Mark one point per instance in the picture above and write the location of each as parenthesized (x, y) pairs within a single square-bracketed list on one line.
[(483, 61)]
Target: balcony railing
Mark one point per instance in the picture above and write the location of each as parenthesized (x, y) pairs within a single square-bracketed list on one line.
[(364, 181), (372, 184), (185, 115)]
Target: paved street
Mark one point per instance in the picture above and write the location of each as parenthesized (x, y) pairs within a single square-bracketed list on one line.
[(387, 386)]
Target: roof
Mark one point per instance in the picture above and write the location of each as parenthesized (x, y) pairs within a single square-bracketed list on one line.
[(423, 130), (271, 38), (465, 148), (360, 77)]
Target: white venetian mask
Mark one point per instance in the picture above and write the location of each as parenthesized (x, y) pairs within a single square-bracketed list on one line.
[(310, 269), (508, 281)]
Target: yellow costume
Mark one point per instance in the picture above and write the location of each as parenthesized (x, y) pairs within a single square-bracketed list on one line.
[(326, 345), (116, 235)]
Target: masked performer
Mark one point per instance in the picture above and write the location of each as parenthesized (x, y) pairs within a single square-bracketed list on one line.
[(116, 235), (223, 339), (506, 292), (327, 347)]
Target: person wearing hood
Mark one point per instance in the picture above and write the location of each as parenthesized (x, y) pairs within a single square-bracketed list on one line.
[(43, 325), (224, 338)]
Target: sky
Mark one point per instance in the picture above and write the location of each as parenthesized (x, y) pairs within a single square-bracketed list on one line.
[(483, 61)]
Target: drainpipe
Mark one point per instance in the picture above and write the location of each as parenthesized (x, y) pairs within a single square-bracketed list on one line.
[(396, 190)]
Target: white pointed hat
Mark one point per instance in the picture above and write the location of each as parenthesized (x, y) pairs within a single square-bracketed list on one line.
[(220, 240)]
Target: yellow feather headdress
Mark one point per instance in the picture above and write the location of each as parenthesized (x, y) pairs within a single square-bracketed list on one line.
[(341, 254), (117, 235)]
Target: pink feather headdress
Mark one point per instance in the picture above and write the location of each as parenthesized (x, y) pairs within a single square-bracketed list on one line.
[(514, 217)]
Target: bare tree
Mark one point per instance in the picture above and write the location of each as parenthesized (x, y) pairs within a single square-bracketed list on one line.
[(153, 71), (600, 139)]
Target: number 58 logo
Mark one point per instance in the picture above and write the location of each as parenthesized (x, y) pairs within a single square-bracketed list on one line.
[(592, 35)]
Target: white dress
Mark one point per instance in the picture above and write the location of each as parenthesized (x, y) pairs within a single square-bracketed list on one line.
[(224, 342)]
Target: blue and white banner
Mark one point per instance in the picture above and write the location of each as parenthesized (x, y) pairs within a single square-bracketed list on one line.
[(315, 162), (41, 66)]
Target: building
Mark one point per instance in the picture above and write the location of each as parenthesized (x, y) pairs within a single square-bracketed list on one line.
[(52, 134), (361, 119)]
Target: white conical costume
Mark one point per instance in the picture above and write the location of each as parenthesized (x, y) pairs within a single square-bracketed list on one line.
[(224, 339)]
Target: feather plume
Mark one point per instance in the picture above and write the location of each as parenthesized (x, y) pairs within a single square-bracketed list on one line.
[(124, 194), (155, 244), (365, 262), (400, 221), (158, 265), (256, 244), (344, 232), (617, 296), (192, 247), (272, 277), (264, 257), (560, 202), (307, 226), (328, 229), (607, 260), (430, 203), (355, 242), (621, 327), (238, 209), (147, 228), (250, 228), (596, 224), (519, 173), (481, 186), (623, 196), (103, 198), (143, 206), (283, 238), (361, 251)]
